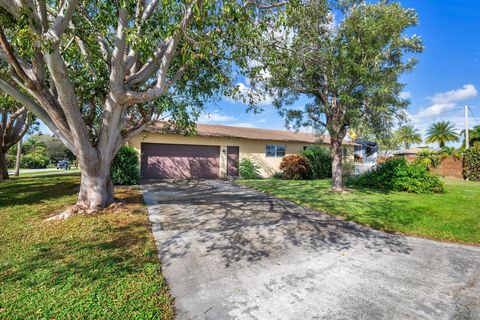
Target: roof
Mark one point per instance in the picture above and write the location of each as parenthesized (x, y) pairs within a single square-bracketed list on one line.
[(411, 151), (210, 130)]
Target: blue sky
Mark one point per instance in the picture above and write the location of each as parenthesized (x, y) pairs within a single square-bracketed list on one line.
[(446, 78)]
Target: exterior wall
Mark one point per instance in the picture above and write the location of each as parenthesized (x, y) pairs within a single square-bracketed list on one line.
[(253, 149), (450, 167)]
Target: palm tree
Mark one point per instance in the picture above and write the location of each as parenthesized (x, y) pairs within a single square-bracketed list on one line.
[(35, 146), (442, 132), (408, 135)]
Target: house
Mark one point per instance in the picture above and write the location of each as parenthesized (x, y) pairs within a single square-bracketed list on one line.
[(365, 156), (215, 150), (410, 154), (366, 152)]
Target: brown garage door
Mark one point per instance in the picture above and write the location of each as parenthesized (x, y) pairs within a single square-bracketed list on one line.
[(179, 161)]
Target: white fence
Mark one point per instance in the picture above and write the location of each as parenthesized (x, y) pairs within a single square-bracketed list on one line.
[(363, 167)]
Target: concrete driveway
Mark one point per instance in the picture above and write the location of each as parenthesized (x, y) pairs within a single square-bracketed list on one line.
[(229, 252)]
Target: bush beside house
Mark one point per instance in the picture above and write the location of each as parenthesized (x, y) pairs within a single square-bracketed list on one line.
[(295, 167), (471, 164), (125, 166), (248, 169), (320, 162)]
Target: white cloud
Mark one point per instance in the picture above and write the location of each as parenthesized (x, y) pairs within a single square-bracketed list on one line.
[(444, 106), (468, 91), (214, 118), (405, 95), (445, 101), (243, 124), (434, 110)]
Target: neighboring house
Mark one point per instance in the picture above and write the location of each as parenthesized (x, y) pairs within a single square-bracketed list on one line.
[(366, 151), (215, 150), (410, 154), (365, 155)]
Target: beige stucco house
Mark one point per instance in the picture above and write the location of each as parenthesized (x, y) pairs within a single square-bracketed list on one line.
[(215, 150)]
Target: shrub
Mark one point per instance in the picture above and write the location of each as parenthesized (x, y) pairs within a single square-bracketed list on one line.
[(295, 167), (428, 158), (248, 169), (34, 161), (124, 167), (320, 162), (471, 164), (10, 160), (277, 175), (399, 175)]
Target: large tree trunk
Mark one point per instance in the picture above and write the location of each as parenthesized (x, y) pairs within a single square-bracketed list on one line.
[(96, 187), (336, 145), (3, 166), (18, 158)]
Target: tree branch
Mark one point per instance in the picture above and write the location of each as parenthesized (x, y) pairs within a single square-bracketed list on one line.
[(62, 20), (161, 86), (36, 110), (13, 61)]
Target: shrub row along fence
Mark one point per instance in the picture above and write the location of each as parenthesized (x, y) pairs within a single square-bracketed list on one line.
[(471, 164)]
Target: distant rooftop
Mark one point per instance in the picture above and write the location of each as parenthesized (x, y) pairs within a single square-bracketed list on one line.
[(409, 151)]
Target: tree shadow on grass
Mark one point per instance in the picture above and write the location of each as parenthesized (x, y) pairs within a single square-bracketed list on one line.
[(240, 224), (31, 190), (83, 259)]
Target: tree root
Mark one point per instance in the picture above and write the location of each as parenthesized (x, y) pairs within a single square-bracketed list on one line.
[(79, 209)]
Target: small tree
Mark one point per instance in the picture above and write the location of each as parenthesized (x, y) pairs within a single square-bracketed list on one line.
[(408, 135), (349, 71), (15, 121), (442, 132), (473, 137)]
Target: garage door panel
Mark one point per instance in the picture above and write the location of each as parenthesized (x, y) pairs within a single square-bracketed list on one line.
[(166, 161)]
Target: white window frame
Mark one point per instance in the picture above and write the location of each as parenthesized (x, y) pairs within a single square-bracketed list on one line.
[(275, 148)]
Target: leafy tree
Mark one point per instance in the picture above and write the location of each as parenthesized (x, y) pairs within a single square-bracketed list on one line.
[(34, 145), (429, 158), (442, 132), (55, 149), (15, 121), (99, 71), (408, 135), (450, 151), (473, 137), (348, 69)]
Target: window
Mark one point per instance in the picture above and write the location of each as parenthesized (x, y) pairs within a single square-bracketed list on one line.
[(272, 150)]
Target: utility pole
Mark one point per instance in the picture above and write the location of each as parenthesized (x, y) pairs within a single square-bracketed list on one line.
[(466, 128)]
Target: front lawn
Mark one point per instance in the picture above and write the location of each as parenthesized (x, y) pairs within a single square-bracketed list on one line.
[(452, 216), (102, 266)]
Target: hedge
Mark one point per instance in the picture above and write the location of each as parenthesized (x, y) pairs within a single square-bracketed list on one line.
[(471, 164)]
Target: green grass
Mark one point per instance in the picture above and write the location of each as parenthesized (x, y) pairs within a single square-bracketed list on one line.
[(452, 216), (45, 172), (101, 266)]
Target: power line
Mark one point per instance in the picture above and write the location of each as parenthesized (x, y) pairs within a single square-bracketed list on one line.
[(473, 116)]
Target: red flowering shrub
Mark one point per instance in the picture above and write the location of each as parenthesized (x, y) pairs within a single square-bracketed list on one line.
[(295, 167)]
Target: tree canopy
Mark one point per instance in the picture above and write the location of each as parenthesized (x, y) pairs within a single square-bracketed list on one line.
[(442, 132), (408, 135), (97, 72), (345, 58)]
